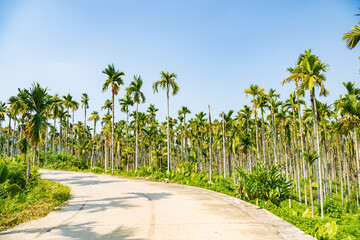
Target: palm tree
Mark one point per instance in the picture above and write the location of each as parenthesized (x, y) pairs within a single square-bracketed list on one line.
[(94, 117), (134, 90), (67, 101), (152, 112), (37, 102), (255, 90), (261, 102), (295, 76), (352, 37), (182, 112), (311, 70), (114, 79), (210, 140), (85, 104), (3, 110), (273, 104), (166, 82), (125, 103), (310, 159), (61, 115)]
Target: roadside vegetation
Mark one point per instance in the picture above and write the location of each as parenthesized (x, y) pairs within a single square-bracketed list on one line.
[(22, 200), (266, 188), (297, 158)]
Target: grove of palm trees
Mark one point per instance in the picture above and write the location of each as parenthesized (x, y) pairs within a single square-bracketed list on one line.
[(294, 155)]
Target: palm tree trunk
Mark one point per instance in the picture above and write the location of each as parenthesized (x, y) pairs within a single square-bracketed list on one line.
[(34, 157), (28, 168), (274, 133), (185, 142), (210, 164), (311, 192), (12, 140), (92, 152), (301, 142), (313, 102), (67, 130), (168, 131), (357, 157), (8, 143), (84, 125), (112, 134), (286, 163), (53, 138), (137, 137), (256, 132), (106, 163), (224, 149), (46, 143), (60, 136), (263, 134)]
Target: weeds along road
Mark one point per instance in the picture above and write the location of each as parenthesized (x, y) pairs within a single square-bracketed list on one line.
[(107, 207)]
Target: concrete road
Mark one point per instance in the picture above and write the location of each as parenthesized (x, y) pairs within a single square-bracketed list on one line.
[(106, 207)]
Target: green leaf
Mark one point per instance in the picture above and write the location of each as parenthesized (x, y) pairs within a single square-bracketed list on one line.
[(307, 213), (14, 189), (4, 173)]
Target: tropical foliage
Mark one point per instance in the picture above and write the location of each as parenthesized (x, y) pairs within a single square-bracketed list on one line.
[(270, 151)]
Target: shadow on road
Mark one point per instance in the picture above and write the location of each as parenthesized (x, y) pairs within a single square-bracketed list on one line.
[(152, 196), (83, 231)]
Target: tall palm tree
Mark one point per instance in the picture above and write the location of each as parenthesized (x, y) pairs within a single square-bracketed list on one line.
[(255, 90), (37, 102), (182, 112), (167, 82), (114, 79), (85, 104), (68, 103), (94, 117), (62, 113), (295, 76), (261, 102), (311, 69), (134, 90), (55, 110), (273, 104)]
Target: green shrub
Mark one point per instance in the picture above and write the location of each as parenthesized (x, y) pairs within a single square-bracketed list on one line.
[(64, 161), (97, 170), (4, 173), (269, 185), (21, 201), (333, 208), (327, 231), (351, 207)]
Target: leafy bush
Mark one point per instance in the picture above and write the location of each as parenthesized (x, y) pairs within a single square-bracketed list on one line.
[(4, 173), (351, 207), (65, 161), (97, 170), (22, 201), (327, 231), (333, 208), (263, 184)]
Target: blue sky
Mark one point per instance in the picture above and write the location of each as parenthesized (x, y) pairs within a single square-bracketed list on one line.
[(217, 48)]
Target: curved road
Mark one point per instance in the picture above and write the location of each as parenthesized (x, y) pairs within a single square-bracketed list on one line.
[(107, 207)]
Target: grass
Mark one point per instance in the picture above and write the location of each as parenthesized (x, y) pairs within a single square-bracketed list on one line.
[(31, 200)]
